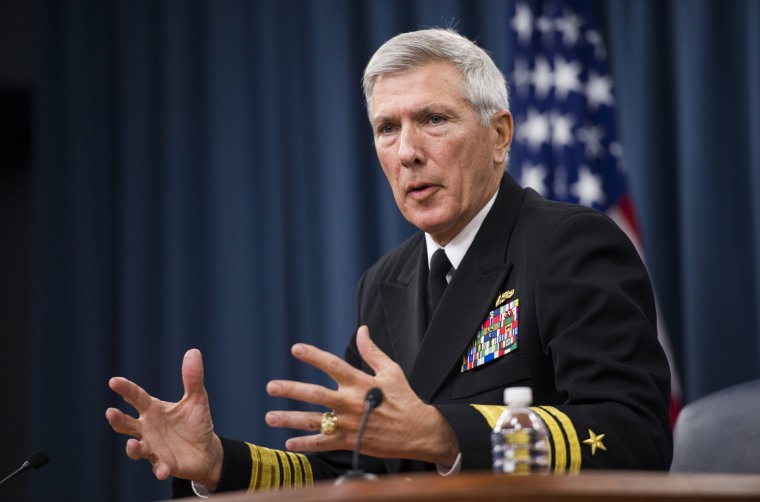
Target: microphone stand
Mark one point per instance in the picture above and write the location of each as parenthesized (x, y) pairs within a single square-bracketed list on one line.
[(373, 399)]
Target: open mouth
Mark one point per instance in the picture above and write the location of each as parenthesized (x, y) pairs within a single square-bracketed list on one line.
[(422, 190)]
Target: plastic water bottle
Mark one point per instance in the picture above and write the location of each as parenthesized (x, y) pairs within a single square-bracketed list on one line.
[(520, 440)]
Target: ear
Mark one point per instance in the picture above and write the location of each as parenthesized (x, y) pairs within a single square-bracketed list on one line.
[(503, 128)]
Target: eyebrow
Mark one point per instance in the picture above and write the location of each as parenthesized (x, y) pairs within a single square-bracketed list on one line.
[(431, 109)]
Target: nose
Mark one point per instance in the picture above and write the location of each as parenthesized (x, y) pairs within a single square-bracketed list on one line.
[(410, 148)]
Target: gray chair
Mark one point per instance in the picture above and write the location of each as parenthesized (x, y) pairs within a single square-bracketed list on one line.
[(720, 432)]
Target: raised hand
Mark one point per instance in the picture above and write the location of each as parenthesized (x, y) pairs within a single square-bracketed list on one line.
[(177, 438), (403, 426)]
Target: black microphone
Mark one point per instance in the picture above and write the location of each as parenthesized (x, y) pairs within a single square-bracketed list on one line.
[(36, 460), (371, 401)]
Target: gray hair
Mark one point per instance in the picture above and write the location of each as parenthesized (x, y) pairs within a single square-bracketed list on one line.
[(485, 87)]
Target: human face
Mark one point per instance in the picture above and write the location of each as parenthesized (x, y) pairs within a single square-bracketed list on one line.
[(442, 164)]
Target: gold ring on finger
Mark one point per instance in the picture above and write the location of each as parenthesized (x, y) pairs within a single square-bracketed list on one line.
[(329, 423)]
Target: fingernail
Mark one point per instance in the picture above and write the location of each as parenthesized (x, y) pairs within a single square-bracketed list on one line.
[(274, 388), (297, 350)]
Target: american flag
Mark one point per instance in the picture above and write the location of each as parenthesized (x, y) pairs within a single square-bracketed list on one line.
[(566, 145)]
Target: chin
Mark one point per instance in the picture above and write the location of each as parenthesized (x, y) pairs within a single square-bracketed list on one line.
[(432, 228), (432, 221)]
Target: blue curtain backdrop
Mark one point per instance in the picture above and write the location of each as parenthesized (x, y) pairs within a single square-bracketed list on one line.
[(205, 177)]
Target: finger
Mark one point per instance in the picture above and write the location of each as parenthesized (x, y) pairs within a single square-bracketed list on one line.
[(338, 369), (161, 470), (131, 392), (306, 392), (371, 353), (317, 442), (192, 373), (302, 420), (134, 449), (123, 423)]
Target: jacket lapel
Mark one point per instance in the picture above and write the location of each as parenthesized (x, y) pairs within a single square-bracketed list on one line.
[(469, 296), (403, 301)]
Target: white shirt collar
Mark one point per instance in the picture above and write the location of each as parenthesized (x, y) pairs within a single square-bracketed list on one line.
[(458, 246)]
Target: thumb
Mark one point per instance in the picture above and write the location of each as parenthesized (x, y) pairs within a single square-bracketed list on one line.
[(371, 353), (192, 373)]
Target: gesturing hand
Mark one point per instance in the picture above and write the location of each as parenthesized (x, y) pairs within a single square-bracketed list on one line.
[(177, 438), (403, 426)]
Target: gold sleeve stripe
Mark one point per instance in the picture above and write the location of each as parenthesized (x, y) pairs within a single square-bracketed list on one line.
[(255, 467), (572, 438), (490, 412), (277, 468), (289, 473), (284, 478), (557, 450), (304, 475), (268, 463)]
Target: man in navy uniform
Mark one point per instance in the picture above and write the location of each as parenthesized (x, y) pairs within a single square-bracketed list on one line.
[(536, 293)]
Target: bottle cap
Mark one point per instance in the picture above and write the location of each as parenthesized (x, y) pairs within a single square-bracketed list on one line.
[(518, 396)]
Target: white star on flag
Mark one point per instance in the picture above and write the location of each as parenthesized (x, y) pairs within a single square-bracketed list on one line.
[(591, 136), (522, 22), (566, 77), (562, 129), (570, 27), (533, 176), (535, 129), (599, 90), (521, 76), (543, 78), (588, 188)]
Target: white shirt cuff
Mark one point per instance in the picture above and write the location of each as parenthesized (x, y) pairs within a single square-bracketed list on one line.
[(454, 469), (200, 490)]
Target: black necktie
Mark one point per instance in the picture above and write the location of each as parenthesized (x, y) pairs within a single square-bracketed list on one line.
[(439, 267)]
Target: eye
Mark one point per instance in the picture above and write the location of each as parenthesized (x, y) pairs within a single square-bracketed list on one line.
[(437, 119), (386, 129)]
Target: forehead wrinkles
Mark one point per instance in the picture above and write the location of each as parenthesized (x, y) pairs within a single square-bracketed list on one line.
[(434, 77)]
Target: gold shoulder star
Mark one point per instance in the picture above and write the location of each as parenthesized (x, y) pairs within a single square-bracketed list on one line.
[(595, 441)]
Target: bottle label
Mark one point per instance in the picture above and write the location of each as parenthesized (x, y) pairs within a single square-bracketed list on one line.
[(521, 451)]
